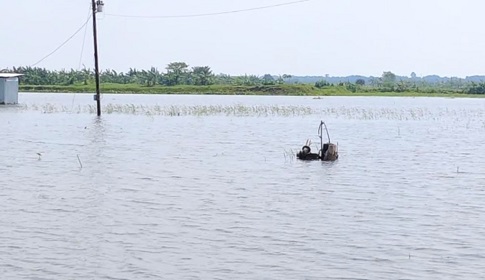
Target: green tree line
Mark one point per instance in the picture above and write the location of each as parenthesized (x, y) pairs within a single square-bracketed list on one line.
[(176, 73), (388, 82), (180, 73)]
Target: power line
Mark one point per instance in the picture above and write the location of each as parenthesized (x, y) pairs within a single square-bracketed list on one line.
[(84, 39), (82, 52), (65, 42), (212, 14)]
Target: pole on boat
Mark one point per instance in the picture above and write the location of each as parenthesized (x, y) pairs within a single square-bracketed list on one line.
[(320, 132), (97, 7)]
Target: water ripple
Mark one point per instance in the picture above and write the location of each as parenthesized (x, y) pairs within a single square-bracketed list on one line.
[(217, 196)]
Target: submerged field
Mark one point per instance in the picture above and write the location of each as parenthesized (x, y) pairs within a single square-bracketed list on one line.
[(191, 186)]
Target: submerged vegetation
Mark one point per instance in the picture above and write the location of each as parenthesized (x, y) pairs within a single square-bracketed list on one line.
[(178, 110), (474, 117), (179, 78)]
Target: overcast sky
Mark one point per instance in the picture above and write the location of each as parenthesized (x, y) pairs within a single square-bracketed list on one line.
[(317, 37)]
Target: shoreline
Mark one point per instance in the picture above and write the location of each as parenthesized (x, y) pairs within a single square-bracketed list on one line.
[(263, 90)]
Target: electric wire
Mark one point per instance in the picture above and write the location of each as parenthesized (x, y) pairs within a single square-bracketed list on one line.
[(82, 52), (65, 42), (166, 16), (211, 14), (84, 39)]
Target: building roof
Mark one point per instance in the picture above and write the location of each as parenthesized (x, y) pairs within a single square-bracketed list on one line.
[(10, 75)]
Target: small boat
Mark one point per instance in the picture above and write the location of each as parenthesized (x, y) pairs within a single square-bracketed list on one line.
[(328, 151)]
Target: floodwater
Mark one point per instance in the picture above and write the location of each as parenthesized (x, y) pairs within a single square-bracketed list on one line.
[(207, 187)]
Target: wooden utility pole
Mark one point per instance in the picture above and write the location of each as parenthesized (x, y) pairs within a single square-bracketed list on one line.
[(96, 65)]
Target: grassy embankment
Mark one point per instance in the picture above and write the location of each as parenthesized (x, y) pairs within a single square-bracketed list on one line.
[(282, 90)]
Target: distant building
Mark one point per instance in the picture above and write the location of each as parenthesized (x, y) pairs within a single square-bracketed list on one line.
[(9, 88)]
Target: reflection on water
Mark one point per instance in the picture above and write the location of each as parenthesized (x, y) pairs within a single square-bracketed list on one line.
[(217, 196)]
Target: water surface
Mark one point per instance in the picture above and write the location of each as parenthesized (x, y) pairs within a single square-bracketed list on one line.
[(215, 192)]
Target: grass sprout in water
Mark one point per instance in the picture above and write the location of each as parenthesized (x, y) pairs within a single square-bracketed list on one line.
[(342, 112), (178, 110)]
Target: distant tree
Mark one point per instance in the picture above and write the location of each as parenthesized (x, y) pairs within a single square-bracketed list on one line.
[(413, 75), (388, 77), (85, 75), (388, 81), (283, 79), (402, 86), (476, 88), (248, 80), (153, 77), (322, 83), (176, 73), (375, 82), (202, 75), (268, 79), (351, 87), (253, 80), (224, 79), (280, 80), (360, 82)]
